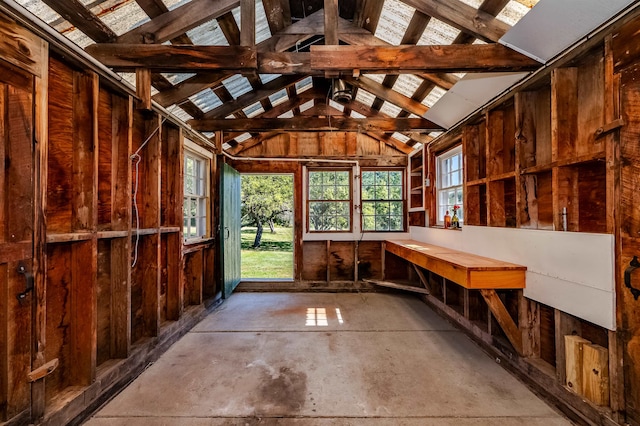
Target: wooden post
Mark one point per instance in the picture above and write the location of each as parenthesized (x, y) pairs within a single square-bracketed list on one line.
[(143, 88), (566, 325)]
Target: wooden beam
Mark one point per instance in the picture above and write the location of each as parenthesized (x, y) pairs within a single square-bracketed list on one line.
[(247, 22), (377, 59), (278, 14), (178, 21), (166, 58), (466, 18), (403, 59), (82, 18), (331, 22), (143, 88), (247, 99), (501, 314), (155, 8), (298, 124), (190, 87), (389, 94)]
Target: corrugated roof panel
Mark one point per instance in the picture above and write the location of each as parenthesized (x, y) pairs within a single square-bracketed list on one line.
[(365, 97), (304, 84), (40, 10), (253, 110), (407, 84), (390, 109), (356, 114), (79, 38), (433, 96), (393, 22), (288, 114), (177, 78), (402, 138), (206, 100), (179, 112), (172, 4), (336, 105), (437, 32), (513, 12), (307, 105), (243, 137), (378, 78), (265, 78), (473, 3), (237, 85), (278, 97), (125, 18), (208, 34)]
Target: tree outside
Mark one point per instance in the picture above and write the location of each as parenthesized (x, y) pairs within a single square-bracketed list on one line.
[(267, 201)]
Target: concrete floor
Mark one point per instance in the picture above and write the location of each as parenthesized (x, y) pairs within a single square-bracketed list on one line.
[(325, 359)]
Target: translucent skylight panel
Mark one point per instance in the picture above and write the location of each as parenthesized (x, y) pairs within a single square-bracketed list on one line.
[(237, 85), (378, 78), (435, 134), (390, 109), (336, 105), (307, 105), (208, 34), (394, 19), (265, 78), (179, 112), (437, 33), (261, 25), (278, 97), (407, 84), (177, 78), (39, 9), (365, 97), (253, 110), (79, 38), (124, 18), (433, 96), (304, 84), (417, 146), (513, 12), (129, 78), (402, 138), (206, 100), (288, 114), (173, 4), (473, 3), (243, 137), (356, 114)]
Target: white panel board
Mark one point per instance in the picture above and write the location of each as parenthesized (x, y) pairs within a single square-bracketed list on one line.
[(552, 26), (471, 92), (570, 271)]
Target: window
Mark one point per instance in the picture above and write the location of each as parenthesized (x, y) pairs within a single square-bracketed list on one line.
[(382, 200), (196, 200), (329, 201), (449, 167)]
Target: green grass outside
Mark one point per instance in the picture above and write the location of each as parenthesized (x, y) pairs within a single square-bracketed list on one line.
[(273, 259)]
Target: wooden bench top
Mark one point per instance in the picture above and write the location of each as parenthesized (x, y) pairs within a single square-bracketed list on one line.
[(466, 269)]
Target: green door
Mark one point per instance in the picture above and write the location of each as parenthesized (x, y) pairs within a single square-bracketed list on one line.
[(230, 230)]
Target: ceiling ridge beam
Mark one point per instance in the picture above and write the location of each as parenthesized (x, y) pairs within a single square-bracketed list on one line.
[(300, 123)]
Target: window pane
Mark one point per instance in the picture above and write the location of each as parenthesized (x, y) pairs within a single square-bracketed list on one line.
[(368, 192), (395, 178), (369, 223), (368, 178), (395, 193), (368, 208), (396, 209), (395, 223), (342, 178)]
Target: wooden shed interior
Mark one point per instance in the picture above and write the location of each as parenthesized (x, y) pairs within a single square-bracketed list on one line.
[(524, 113)]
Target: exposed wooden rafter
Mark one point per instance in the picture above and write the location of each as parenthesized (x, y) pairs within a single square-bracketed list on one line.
[(297, 124)]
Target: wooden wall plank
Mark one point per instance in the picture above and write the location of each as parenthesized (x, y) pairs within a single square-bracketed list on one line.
[(564, 112), (573, 348), (595, 374)]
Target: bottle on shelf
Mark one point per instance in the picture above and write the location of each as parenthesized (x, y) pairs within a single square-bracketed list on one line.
[(455, 221), (447, 220)]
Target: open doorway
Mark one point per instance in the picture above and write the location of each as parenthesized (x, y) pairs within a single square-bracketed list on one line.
[(267, 226)]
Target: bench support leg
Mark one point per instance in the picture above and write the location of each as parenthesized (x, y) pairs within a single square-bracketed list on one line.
[(423, 278), (501, 314)]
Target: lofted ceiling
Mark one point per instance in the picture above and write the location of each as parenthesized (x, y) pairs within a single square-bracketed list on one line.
[(255, 68)]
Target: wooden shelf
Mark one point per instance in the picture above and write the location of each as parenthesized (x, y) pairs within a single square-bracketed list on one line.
[(112, 234), (502, 176), (477, 182), (69, 237)]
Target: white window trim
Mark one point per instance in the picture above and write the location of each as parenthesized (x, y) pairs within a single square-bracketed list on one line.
[(439, 159), (204, 156)]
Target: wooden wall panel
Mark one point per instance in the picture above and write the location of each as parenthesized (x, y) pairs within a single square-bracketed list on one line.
[(104, 298), (591, 106), (171, 200), (314, 260), (194, 277), (342, 261), (105, 159), (370, 260), (60, 164)]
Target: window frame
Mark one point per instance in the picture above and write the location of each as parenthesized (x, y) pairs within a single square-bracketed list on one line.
[(202, 197), (309, 200), (403, 185), (439, 188)]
